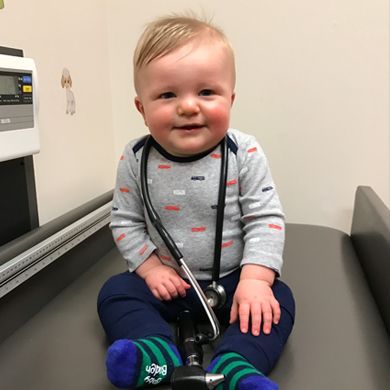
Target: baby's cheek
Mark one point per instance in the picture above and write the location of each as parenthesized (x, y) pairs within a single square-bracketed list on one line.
[(159, 119), (220, 115)]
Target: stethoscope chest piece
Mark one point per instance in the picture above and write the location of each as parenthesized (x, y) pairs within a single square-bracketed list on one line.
[(216, 295)]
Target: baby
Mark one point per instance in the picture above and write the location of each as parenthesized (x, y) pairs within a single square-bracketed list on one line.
[(184, 76)]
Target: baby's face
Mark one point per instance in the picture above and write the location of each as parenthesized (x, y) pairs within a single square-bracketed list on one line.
[(186, 96)]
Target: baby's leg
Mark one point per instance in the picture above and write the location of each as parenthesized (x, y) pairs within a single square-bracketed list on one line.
[(128, 310), (246, 359), (142, 350)]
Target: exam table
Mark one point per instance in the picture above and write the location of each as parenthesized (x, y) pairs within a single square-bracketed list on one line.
[(51, 338)]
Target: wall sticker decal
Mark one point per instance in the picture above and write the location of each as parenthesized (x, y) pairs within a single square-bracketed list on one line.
[(66, 82)]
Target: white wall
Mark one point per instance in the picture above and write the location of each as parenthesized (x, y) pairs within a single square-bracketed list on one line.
[(76, 162), (313, 86)]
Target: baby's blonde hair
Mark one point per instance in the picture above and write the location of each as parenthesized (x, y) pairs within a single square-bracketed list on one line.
[(168, 33)]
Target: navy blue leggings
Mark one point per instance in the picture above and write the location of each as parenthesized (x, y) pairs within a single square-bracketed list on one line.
[(128, 310)]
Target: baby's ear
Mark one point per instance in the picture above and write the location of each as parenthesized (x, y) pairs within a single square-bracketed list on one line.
[(62, 81), (232, 98), (138, 104), (140, 108), (70, 80)]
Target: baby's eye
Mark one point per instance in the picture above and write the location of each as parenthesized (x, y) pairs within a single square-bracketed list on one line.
[(167, 95), (206, 92)]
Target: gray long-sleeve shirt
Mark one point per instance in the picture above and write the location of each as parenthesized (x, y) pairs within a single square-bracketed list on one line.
[(184, 192)]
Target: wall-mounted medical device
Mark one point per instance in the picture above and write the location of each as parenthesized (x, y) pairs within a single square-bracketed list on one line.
[(19, 134)]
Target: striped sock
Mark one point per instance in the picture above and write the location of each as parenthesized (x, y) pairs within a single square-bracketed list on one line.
[(239, 373), (132, 364)]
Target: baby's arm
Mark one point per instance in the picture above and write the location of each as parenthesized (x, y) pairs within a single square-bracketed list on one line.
[(255, 300), (163, 281), (131, 236), (263, 224)]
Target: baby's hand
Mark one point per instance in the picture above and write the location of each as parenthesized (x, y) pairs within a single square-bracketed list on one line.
[(255, 300), (165, 283)]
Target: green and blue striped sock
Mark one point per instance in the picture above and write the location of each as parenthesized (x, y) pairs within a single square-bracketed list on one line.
[(134, 363), (239, 373)]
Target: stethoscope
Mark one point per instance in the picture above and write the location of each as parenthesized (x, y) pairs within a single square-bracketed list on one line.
[(214, 295)]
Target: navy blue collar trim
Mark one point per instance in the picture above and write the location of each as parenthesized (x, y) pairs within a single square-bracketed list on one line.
[(171, 157), (139, 145)]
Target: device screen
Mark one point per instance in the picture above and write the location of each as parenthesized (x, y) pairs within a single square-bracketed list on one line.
[(8, 85)]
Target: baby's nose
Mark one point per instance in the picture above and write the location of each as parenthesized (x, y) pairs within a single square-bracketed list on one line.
[(187, 106)]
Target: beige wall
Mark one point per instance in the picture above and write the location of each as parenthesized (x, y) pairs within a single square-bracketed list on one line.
[(313, 86), (76, 162)]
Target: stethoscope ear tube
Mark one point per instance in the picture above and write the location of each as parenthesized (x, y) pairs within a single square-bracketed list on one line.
[(153, 216), (220, 211)]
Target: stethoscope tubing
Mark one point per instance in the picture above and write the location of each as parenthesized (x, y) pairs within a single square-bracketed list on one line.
[(153, 216), (171, 245), (220, 212)]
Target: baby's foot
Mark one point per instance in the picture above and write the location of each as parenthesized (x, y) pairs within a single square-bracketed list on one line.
[(135, 363), (239, 373)]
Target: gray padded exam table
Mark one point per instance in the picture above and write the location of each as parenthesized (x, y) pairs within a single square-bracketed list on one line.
[(51, 338)]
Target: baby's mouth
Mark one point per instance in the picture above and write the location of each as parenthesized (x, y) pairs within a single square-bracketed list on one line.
[(190, 126)]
